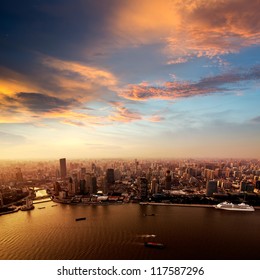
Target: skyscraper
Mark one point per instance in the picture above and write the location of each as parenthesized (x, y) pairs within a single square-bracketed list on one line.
[(211, 187), (144, 187), (168, 180), (63, 168), (110, 176)]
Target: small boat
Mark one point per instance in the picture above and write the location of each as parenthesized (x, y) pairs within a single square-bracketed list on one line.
[(80, 219), (154, 245), (149, 214), (148, 235)]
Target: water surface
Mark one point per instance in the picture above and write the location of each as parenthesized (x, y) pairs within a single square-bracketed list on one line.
[(119, 232)]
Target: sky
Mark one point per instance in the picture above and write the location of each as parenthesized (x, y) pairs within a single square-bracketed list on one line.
[(129, 78)]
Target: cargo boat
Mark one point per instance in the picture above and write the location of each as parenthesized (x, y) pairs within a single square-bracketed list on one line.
[(80, 219)]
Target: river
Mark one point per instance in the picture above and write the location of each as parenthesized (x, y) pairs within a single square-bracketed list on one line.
[(118, 232)]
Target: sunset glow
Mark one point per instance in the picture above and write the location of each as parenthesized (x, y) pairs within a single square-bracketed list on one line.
[(98, 79)]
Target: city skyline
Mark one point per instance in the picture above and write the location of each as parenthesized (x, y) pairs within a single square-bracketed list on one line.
[(129, 79)]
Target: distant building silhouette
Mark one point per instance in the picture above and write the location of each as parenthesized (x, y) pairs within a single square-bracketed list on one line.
[(168, 180), (63, 168), (154, 186), (93, 190), (19, 175), (144, 187), (110, 176), (82, 186)]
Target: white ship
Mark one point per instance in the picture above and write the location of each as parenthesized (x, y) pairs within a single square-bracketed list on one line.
[(234, 207)]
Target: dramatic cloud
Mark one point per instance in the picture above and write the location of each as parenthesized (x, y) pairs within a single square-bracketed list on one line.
[(81, 80), (33, 107), (219, 27), (173, 90), (189, 28), (63, 62), (122, 114), (12, 82), (38, 103)]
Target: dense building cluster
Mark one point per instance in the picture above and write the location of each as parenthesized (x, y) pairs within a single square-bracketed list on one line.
[(180, 181)]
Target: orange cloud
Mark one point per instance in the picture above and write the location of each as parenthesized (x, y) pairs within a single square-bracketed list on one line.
[(168, 91), (178, 60), (24, 107), (142, 22), (156, 118), (189, 27), (122, 114), (73, 76), (174, 90), (12, 82), (24, 101)]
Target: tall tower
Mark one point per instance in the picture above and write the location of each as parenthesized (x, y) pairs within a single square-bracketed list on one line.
[(144, 187), (19, 175), (168, 180), (110, 176), (94, 185), (154, 186), (211, 187), (63, 168)]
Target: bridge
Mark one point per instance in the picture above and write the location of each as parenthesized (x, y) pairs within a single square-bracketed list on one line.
[(41, 199)]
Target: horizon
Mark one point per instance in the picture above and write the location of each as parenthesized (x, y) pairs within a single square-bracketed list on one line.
[(131, 79), (132, 158)]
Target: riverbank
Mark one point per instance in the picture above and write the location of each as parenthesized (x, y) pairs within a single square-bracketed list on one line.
[(9, 211), (16, 209), (177, 204), (183, 205)]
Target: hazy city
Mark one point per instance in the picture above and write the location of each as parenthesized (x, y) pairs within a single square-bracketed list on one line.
[(120, 181), (46, 198)]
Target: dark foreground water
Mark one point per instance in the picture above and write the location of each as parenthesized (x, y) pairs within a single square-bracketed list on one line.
[(118, 232)]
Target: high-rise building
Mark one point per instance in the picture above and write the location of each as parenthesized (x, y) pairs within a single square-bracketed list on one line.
[(63, 168), (144, 187), (57, 188), (212, 187), (75, 184), (110, 176), (168, 180), (82, 186), (88, 177), (82, 172), (19, 175), (94, 185), (243, 185), (154, 186)]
